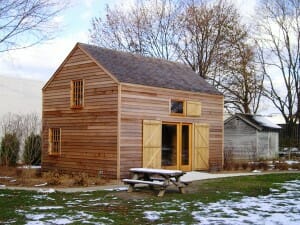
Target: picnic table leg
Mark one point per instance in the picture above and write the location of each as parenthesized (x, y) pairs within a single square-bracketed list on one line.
[(130, 188), (161, 192), (180, 185), (182, 190)]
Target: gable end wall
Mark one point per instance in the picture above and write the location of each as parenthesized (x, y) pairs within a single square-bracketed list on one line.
[(88, 135)]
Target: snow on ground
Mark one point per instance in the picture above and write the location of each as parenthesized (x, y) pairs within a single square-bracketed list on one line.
[(50, 190), (277, 208)]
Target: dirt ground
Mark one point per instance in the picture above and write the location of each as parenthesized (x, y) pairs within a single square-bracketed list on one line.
[(33, 177)]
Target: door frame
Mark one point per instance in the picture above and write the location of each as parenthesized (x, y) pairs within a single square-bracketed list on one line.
[(179, 165)]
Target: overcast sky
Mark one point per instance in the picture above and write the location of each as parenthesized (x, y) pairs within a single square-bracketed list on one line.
[(41, 61)]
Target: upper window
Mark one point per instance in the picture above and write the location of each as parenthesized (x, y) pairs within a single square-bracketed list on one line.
[(77, 94), (54, 141), (177, 107)]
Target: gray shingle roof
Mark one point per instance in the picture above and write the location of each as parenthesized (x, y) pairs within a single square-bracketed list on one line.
[(136, 69)]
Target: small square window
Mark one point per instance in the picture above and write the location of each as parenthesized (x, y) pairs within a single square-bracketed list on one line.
[(177, 107), (77, 93), (54, 141)]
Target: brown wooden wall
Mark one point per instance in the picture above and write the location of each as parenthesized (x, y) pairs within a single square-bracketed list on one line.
[(140, 103), (88, 135)]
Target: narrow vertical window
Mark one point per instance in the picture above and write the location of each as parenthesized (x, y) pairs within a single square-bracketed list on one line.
[(54, 141), (77, 93)]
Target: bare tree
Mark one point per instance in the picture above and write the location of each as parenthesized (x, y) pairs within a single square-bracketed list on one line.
[(24, 23), (206, 35), (215, 45), (208, 28), (148, 28), (279, 42), (240, 81)]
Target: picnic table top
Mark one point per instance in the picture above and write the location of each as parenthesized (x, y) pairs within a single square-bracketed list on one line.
[(158, 171)]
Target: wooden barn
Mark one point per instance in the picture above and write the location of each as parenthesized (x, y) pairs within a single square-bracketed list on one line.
[(106, 111), (250, 137)]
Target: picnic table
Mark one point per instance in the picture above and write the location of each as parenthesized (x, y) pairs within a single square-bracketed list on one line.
[(156, 177)]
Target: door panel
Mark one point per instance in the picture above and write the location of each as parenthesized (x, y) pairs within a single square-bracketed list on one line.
[(152, 143), (201, 147)]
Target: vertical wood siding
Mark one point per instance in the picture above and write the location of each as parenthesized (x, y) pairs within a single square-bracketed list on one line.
[(240, 140), (244, 143), (140, 103), (88, 135)]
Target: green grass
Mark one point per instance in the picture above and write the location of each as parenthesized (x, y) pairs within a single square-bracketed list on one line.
[(17, 207)]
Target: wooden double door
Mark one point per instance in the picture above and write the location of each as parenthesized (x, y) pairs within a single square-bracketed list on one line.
[(183, 146), (176, 146)]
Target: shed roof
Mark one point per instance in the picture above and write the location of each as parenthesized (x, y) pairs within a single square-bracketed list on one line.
[(136, 69), (256, 121)]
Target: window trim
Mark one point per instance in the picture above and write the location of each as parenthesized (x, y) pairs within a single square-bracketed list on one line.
[(51, 141), (184, 107), (72, 95)]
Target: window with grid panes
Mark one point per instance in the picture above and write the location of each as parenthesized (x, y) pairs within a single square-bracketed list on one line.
[(77, 94), (54, 141)]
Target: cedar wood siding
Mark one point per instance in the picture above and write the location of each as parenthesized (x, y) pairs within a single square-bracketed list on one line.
[(140, 103), (88, 135)]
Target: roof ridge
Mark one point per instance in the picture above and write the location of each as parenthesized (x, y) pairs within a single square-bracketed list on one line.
[(136, 55), (128, 67)]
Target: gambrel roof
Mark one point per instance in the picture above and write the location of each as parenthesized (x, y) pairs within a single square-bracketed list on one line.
[(136, 69)]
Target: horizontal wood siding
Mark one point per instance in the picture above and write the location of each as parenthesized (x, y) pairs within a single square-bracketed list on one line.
[(140, 103), (88, 135)]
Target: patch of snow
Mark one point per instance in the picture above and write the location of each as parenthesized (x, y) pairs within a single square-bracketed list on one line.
[(29, 167), (34, 223), (61, 221), (50, 190), (35, 217), (42, 197), (81, 214), (291, 162), (152, 215), (117, 189), (47, 207), (265, 122), (95, 200), (12, 181), (2, 185), (40, 185), (256, 171), (276, 208), (5, 177)]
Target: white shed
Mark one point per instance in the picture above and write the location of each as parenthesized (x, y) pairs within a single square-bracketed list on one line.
[(250, 137)]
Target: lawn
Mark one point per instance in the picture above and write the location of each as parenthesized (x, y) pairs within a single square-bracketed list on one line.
[(263, 199)]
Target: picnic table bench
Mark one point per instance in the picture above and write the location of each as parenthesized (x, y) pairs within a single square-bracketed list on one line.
[(156, 177)]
